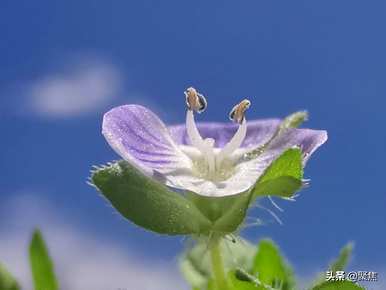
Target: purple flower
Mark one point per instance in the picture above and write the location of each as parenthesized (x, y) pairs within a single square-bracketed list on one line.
[(210, 159)]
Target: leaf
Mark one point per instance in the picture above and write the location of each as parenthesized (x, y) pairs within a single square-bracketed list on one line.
[(148, 203), (289, 163), (338, 285), (41, 264), (7, 281), (343, 259), (283, 186), (270, 267), (283, 177), (195, 263), (241, 280), (226, 213), (339, 264)]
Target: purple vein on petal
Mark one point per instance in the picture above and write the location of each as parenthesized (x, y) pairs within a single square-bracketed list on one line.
[(155, 154), (143, 139), (146, 129)]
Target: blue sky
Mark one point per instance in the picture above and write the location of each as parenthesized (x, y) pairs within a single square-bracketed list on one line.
[(65, 63)]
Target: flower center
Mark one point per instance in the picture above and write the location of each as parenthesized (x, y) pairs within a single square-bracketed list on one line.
[(213, 163)]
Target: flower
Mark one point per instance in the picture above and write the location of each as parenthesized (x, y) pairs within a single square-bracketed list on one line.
[(209, 159)]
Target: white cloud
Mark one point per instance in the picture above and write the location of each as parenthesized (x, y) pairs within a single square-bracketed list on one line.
[(82, 261), (82, 87), (77, 86)]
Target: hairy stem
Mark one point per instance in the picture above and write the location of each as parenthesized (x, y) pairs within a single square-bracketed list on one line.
[(217, 265)]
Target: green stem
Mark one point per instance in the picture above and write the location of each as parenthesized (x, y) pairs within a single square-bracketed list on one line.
[(217, 265)]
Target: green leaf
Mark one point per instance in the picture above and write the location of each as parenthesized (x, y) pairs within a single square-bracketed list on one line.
[(271, 268), (41, 264), (148, 203), (226, 213), (340, 263), (7, 281), (240, 280), (195, 263), (283, 177), (338, 285)]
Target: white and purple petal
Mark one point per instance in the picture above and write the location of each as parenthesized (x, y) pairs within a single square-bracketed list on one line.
[(142, 139), (307, 140), (247, 172)]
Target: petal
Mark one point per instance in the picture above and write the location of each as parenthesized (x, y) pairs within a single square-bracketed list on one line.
[(307, 139), (142, 139), (259, 132), (247, 172)]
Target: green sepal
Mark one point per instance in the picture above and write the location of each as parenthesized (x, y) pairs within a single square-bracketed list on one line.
[(148, 203), (226, 213), (271, 268), (7, 281), (283, 177), (41, 264), (293, 121), (338, 285)]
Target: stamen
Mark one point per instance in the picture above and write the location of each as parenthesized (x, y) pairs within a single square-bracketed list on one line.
[(237, 113), (206, 147), (194, 135), (194, 100)]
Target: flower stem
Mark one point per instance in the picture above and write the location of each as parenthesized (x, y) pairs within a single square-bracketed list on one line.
[(217, 265)]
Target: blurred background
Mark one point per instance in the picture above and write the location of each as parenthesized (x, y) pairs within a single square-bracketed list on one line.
[(64, 63)]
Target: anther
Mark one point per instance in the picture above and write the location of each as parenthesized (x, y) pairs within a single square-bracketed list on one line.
[(194, 100), (237, 114)]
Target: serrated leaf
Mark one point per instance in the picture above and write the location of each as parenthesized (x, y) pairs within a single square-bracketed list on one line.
[(283, 177), (195, 263), (338, 285), (340, 263), (41, 264), (271, 268), (7, 281), (148, 203)]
